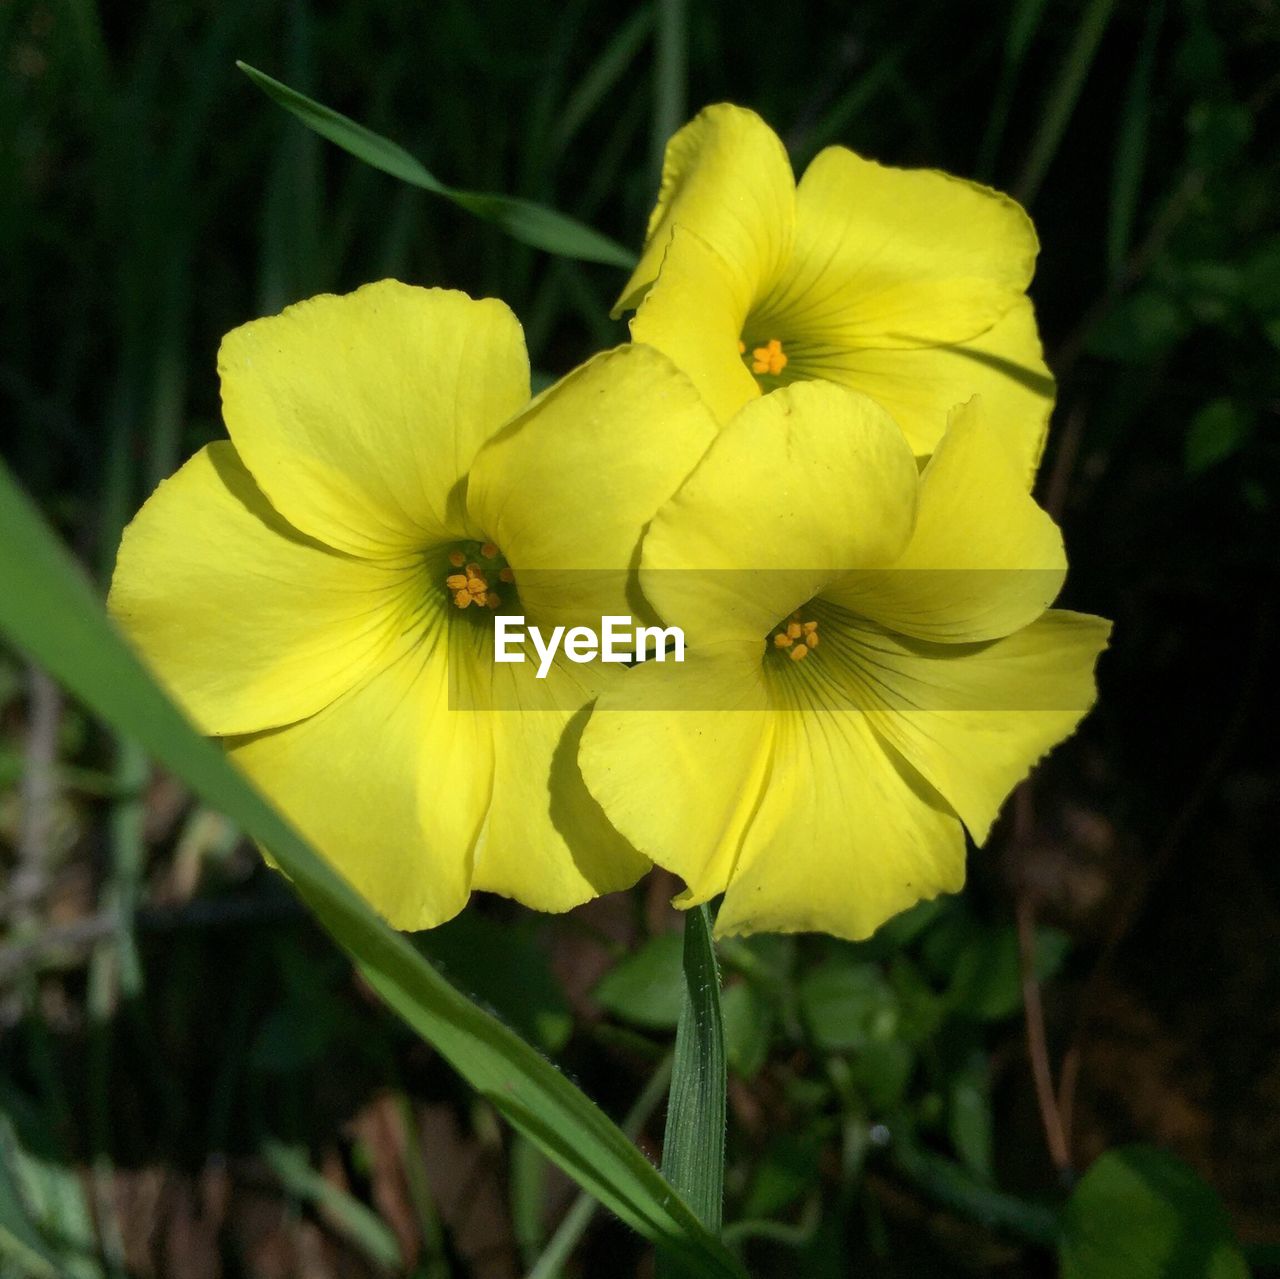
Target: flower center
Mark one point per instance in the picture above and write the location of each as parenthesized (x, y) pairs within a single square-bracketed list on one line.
[(796, 637), (479, 572), (768, 360)]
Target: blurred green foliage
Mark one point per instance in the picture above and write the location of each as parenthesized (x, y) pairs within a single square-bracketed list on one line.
[(165, 1009)]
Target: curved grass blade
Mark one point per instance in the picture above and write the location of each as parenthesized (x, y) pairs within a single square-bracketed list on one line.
[(49, 610), (523, 220)]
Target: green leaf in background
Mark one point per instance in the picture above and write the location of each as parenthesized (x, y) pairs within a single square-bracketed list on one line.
[(523, 220), (986, 978), (748, 1027), (1217, 431), (1141, 329), (49, 610), (969, 1120), (786, 1170), (881, 1071), (693, 1146), (846, 1004), (646, 987), (1139, 1213)]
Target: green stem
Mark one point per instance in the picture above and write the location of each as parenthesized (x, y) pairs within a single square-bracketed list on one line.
[(693, 1146)]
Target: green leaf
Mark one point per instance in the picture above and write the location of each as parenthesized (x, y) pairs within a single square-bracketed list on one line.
[(846, 1004), (748, 1026), (1219, 132), (693, 1145), (647, 986), (987, 977), (523, 220), (1139, 1213), (49, 610), (881, 1070), (1142, 329), (969, 1119), (787, 1169), (1217, 431)]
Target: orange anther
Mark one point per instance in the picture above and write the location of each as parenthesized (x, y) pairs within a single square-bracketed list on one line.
[(457, 559), (456, 582), (506, 574), (769, 358), (462, 599), (798, 652), (782, 641), (488, 550)]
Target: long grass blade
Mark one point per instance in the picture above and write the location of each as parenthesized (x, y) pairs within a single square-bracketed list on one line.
[(1063, 98), (1021, 29), (49, 610), (1131, 148), (523, 220), (670, 72)]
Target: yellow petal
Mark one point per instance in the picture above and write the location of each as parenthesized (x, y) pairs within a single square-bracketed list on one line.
[(388, 782), (695, 314), (546, 841), (802, 486), (890, 257), (677, 757), (983, 560), (799, 816), (843, 839), (359, 415), (567, 490), (1005, 366), (725, 176), (974, 719), (250, 623)]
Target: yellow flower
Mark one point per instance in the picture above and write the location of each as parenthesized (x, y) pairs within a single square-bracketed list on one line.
[(871, 664), (906, 284), (320, 590)]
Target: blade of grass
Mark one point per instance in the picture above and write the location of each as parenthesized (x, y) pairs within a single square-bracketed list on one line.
[(1023, 23), (1063, 97), (434, 1261), (523, 220), (806, 140), (344, 1213), (670, 72), (608, 69), (693, 1146), (1131, 149), (575, 1222), (49, 610), (20, 1245)]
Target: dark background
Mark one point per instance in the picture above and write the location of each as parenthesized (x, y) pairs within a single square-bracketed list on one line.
[(204, 1088)]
